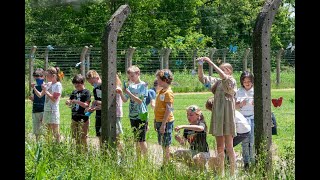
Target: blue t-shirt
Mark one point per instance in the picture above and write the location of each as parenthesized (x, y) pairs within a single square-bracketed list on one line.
[(151, 95), (140, 90), (38, 103)]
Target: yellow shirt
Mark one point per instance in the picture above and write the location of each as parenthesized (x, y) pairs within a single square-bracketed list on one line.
[(163, 97)]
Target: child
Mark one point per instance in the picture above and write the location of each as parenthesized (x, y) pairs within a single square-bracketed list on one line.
[(37, 104), (163, 112), (52, 91), (244, 102), (242, 125), (137, 92), (195, 133), (94, 79), (222, 124), (79, 100)]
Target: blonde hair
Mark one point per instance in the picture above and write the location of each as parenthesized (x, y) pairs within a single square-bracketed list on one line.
[(92, 74), (228, 66), (133, 69), (196, 109)]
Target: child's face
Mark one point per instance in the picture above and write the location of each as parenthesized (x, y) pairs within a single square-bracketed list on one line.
[(247, 83), (193, 117), (133, 76), (50, 77), (225, 70), (78, 86), (161, 83), (92, 80)]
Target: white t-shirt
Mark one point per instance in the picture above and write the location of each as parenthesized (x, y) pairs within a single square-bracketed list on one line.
[(242, 124), (244, 95), (48, 104)]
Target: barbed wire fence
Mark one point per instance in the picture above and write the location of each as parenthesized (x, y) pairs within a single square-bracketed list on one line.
[(148, 59)]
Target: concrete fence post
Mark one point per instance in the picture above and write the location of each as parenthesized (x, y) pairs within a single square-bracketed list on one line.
[(212, 51), (31, 64), (279, 55), (82, 60), (262, 85), (109, 70), (129, 55)]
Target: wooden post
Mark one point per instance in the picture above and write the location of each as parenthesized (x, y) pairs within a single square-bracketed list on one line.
[(166, 55), (46, 54), (31, 63), (280, 52), (82, 60), (129, 55), (194, 57), (88, 59), (244, 60), (212, 51), (109, 70), (161, 58), (224, 56), (262, 84)]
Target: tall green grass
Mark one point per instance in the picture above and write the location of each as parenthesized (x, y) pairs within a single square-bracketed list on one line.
[(51, 161)]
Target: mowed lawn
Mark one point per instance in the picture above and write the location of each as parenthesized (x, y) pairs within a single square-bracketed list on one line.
[(285, 116)]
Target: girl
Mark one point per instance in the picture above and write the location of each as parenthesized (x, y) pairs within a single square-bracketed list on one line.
[(244, 102), (52, 91), (222, 124), (195, 133)]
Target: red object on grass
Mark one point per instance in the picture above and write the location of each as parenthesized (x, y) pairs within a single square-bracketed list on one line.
[(277, 102)]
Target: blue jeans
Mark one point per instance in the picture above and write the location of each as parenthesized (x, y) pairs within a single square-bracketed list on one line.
[(248, 152)]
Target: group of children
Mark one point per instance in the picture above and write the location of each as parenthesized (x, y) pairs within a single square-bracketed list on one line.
[(229, 126)]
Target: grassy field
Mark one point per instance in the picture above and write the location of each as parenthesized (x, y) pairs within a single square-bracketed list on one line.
[(44, 161)]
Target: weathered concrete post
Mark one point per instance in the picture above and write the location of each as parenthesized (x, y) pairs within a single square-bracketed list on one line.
[(46, 54), (129, 55), (88, 59), (280, 52), (194, 57), (224, 55), (83, 60), (166, 55), (262, 85), (244, 60), (212, 51), (31, 63), (109, 70)]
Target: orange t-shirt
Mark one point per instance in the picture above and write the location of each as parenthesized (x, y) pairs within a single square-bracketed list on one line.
[(163, 97)]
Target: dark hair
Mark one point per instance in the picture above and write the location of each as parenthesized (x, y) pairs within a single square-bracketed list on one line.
[(39, 72), (78, 79), (246, 74)]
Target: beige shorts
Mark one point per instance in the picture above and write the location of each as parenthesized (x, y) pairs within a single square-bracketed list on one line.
[(37, 124)]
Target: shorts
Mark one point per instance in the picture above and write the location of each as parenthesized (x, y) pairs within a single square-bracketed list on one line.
[(98, 125), (80, 129), (166, 138), (37, 125), (51, 117), (139, 129)]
